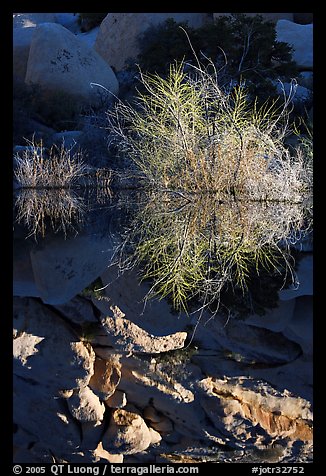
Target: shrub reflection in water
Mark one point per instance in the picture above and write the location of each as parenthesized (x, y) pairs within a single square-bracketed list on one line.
[(190, 247), (194, 246)]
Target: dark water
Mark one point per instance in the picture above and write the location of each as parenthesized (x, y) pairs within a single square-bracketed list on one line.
[(78, 256)]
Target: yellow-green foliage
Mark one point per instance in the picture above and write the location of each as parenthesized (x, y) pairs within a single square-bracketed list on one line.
[(185, 133), (193, 247), (221, 157)]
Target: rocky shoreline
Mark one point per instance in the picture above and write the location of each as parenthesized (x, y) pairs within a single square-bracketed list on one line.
[(99, 379)]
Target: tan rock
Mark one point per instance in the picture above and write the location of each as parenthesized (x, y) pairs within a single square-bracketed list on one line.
[(101, 454), (164, 426), (127, 434), (126, 336), (174, 390), (155, 436), (242, 406), (106, 377), (117, 400), (65, 393)]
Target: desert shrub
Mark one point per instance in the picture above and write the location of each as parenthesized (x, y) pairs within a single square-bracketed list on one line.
[(186, 134), (87, 21), (238, 194), (242, 48), (57, 167)]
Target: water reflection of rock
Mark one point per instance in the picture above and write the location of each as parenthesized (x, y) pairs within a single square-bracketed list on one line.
[(59, 266), (95, 370), (60, 269)]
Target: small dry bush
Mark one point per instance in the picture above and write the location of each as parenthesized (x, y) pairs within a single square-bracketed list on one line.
[(58, 167)]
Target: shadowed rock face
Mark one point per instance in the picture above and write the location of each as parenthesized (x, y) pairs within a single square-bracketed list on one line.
[(207, 397), (47, 350), (48, 360)]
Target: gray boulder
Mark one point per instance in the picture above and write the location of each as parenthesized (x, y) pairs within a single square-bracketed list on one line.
[(62, 268), (300, 37), (27, 20), (22, 38), (60, 61), (24, 25), (117, 38)]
